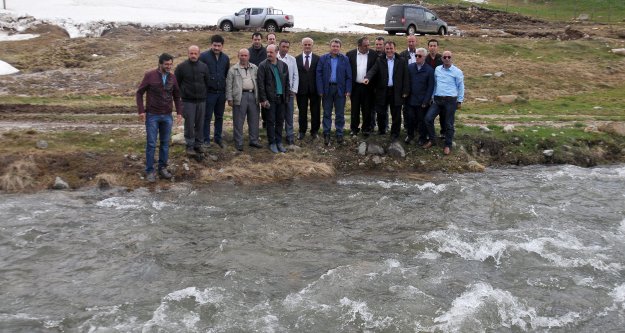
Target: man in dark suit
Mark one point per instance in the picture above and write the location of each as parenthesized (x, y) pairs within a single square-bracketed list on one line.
[(307, 90), (393, 86), (362, 60), (273, 90), (421, 88)]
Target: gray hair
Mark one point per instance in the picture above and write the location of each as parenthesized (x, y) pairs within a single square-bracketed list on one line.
[(422, 51), (336, 40)]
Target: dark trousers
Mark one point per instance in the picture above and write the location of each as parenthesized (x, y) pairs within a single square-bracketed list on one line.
[(275, 121), (315, 112), (215, 104), (382, 114), (194, 123), (446, 106), (414, 121), (361, 98)]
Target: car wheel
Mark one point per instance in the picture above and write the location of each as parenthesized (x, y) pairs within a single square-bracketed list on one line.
[(412, 30), (392, 33), (271, 27), (226, 26), (442, 31)]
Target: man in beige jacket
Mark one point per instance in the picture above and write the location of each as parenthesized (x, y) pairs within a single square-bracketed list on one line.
[(242, 95)]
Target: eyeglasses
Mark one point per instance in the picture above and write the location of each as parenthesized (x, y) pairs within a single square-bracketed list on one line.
[(446, 57), (418, 55)]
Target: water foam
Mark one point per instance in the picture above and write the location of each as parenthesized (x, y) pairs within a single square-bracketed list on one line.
[(120, 203), (180, 310), (621, 228), (358, 312), (393, 184), (618, 295), (474, 309), (482, 248)]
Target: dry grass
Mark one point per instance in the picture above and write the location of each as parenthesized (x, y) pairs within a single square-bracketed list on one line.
[(244, 171), (106, 180), (19, 176)]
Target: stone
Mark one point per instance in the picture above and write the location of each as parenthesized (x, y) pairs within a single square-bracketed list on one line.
[(60, 184), (475, 166), (185, 166), (548, 152), (42, 144), (213, 158), (597, 108), (376, 159), (395, 149), (613, 128), (373, 149), (591, 129), (488, 75), (481, 99), (508, 128), (112, 140), (498, 74), (619, 51), (133, 157), (293, 148), (507, 99), (484, 129), (583, 17), (178, 139), (362, 148)]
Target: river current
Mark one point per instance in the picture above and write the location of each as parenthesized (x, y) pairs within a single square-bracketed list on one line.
[(535, 249)]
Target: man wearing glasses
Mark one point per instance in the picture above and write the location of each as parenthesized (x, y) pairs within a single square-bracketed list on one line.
[(421, 87), (447, 98)]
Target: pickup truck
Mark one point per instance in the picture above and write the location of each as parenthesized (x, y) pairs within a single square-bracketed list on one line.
[(273, 20)]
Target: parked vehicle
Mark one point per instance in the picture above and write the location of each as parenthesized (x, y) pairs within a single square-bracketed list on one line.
[(273, 20), (413, 19)]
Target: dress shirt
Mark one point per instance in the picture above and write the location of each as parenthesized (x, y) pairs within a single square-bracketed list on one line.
[(449, 82), (291, 64), (334, 62), (361, 66), (391, 65), (413, 56)]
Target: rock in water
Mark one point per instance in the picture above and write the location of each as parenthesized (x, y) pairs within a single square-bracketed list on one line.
[(396, 149), (60, 184)]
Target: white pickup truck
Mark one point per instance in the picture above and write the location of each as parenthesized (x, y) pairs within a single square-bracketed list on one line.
[(273, 20)]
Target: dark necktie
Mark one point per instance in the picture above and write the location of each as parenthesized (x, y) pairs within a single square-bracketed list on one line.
[(307, 64)]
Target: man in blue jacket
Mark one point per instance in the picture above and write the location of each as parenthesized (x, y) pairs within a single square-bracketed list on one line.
[(421, 86), (218, 64), (334, 85)]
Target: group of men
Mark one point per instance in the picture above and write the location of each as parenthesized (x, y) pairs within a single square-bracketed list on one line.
[(266, 81)]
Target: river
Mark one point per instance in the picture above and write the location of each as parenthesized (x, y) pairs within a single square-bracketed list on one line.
[(530, 249)]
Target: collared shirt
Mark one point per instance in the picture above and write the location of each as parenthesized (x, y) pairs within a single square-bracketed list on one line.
[(391, 65), (413, 57), (449, 82), (164, 78), (291, 63), (334, 63), (276, 75), (246, 78), (361, 66)]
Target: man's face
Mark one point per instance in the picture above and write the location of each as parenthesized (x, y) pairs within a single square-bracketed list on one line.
[(194, 54), (335, 48), (256, 41), (217, 47), (379, 45), (307, 46), (364, 47), (244, 57), (166, 66), (447, 58), (433, 47), (271, 53), (271, 39), (420, 58), (284, 48), (389, 49), (412, 42)]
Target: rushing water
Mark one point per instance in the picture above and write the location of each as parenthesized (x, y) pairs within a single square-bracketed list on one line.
[(533, 249)]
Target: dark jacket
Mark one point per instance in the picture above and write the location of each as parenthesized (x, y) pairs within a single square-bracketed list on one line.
[(353, 61), (401, 84), (159, 96), (217, 69), (193, 80), (307, 78), (267, 82), (343, 74), (421, 84), (437, 61), (257, 55), (406, 55)]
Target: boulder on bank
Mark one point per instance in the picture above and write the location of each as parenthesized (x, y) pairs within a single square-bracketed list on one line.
[(613, 128), (395, 149), (60, 184), (507, 99)]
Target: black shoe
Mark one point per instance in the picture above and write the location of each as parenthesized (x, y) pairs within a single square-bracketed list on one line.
[(381, 132), (408, 140), (164, 173), (190, 151), (220, 144), (314, 136), (300, 136), (256, 145), (340, 140), (326, 139), (366, 134), (290, 142), (239, 148), (281, 148)]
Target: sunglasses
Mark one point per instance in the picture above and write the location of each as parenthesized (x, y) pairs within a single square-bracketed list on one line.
[(446, 57), (418, 55)]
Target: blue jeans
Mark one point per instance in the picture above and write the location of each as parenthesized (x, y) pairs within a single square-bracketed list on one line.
[(157, 125), (446, 106), (215, 104), (288, 120), (336, 100)]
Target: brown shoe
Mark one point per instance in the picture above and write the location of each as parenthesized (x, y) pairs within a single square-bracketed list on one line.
[(427, 145), (446, 151)]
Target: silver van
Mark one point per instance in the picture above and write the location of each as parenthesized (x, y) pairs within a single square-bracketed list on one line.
[(413, 19)]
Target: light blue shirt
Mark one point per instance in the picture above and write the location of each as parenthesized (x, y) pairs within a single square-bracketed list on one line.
[(391, 65), (334, 63), (164, 78), (449, 82)]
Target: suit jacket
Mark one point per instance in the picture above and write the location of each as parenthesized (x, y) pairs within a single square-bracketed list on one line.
[(352, 56), (401, 82), (343, 74), (267, 82), (307, 78), (421, 84), (406, 55)]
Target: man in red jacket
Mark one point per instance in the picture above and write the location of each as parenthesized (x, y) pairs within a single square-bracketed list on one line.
[(162, 91)]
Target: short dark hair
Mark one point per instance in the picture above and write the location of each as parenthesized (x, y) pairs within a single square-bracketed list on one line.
[(379, 38), (390, 42), (257, 34), (271, 33), (433, 40), (165, 57), (361, 40), (217, 39), (286, 41)]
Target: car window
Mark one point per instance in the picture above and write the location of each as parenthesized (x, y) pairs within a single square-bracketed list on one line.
[(411, 12), (429, 16), (395, 10), (257, 11), (242, 11)]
